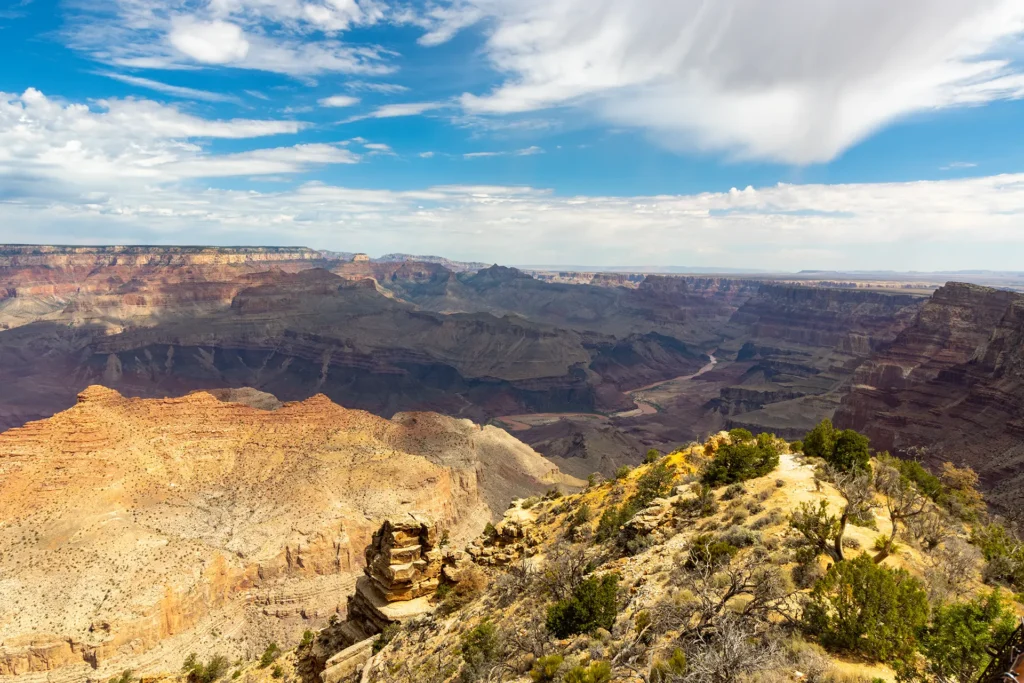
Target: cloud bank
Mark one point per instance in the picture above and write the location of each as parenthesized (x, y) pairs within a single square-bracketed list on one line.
[(796, 81)]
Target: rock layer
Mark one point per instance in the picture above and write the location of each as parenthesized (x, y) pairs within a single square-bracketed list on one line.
[(953, 382)]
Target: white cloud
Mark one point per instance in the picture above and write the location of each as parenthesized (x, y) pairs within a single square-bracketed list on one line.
[(52, 147), (797, 81), (339, 101), (426, 155), (525, 152), (175, 90), (383, 88), (209, 42), (131, 186), (377, 146), (957, 165), (282, 36), (389, 111), (441, 22)]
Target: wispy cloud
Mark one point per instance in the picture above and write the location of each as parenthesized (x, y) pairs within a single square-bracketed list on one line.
[(339, 101), (426, 155), (383, 88), (787, 81), (525, 152), (389, 111), (167, 89), (292, 38), (379, 148), (957, 165)]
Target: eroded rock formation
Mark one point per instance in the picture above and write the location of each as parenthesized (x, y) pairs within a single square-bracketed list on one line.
[(133, 530)]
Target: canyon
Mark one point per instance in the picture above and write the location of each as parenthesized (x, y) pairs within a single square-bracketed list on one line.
[(201, 441), (952, 382), (132, 530)]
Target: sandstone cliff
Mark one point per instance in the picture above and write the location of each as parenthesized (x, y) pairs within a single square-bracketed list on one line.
[(134, 530)]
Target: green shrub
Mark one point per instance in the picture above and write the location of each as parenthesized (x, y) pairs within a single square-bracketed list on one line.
[(846, 450), (277, 672), (957, 643), (742, 460), (385, 637), (307, 638), (703, 504), (656, 482), (611, 520), (197, 671), (1003, 553), (582, 515), (926, 482), (708, 551), (127, 676), (269, 655), (597, 672), (623, 472), (479, 646), (867, 609), (673, 668), (653, 456), (591, 606), (545, 670), (797, 447), (490, 533)]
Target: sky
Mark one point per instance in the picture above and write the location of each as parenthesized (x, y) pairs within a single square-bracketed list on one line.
[(761, 134)]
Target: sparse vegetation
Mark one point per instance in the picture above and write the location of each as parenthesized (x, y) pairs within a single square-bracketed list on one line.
[(197, 671), (479, 648), (269, 655), (596, 672), (127, 676)]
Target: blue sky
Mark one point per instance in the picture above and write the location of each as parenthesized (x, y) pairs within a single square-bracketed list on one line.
[(743, 133)]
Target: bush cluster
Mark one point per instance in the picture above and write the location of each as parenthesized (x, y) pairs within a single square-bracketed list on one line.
[(867, 609), (591, 606), (197, 671), (742, 459), (845, 450)]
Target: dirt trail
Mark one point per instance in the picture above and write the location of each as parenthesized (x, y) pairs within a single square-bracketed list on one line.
[(523, 422)]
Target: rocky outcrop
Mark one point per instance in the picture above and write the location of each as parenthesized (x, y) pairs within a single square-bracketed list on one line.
[(182, 517), (954, 382)]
